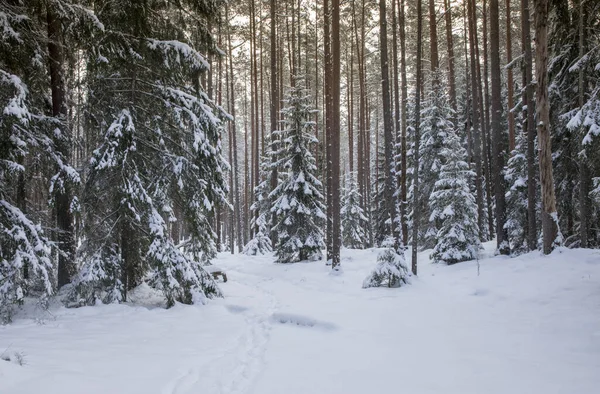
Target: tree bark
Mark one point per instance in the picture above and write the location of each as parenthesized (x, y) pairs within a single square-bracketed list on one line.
[(549, 214)]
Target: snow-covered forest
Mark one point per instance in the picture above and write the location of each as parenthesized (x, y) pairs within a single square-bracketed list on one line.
[(166, 160)]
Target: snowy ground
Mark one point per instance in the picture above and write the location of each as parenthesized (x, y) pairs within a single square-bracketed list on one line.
[(525, 325)]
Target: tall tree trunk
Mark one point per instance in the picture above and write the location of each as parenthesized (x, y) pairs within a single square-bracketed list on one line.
[(584, 169), (404, 99), (549, 214), (450, 45), (509, 80), (388, 126), (476, 119), (233, 136), (335, 132), (498, 142), (529, 127), (433, 42), (399, 237), (63, 196), (417, 214), (328, 125), (274, 105)]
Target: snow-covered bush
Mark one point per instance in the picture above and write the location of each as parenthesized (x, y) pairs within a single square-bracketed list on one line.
[(391, 269)]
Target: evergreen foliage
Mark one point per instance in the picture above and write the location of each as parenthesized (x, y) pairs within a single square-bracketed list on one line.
[(516, 196), (298, 200), (391, 269), (161, 150), (354, 221), (436, 127), (453, 206), (261, 220)]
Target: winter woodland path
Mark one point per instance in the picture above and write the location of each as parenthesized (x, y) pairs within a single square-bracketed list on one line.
[(525, 325)]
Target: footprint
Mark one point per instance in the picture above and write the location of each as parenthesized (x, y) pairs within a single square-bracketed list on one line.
[(301, 321), (236, 308)]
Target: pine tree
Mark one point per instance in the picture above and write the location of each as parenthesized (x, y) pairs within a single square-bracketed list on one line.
[(354, 221), (453, 205), (298, 200), (391, 269)]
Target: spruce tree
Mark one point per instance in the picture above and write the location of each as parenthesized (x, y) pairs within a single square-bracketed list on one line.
[(436, 126), (298, 200), (453, 206), (31, 138), (161, 150), (391, 269), (261, 218), (354, 221), (516, 196)]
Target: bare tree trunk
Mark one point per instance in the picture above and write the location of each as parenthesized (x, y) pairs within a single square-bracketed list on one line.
[(404, 99), (335, 133), (417, 214), (529, 127), (549, 214), (388, 126), (450, 45), (498, 142), (233, 136), (483, 101), (509, 80), (467, 89), (476, 119), (433, 42), (584, 169), (64, 218), (328, 125), (274, 105)]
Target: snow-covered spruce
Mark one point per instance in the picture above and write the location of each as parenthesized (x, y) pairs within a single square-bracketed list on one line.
[(436, 126), (261, 218), (160, 161), (353, 220), (391, 269), (380, 213), (298, 201), (516, 197), (453, 206), (28, 136)]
